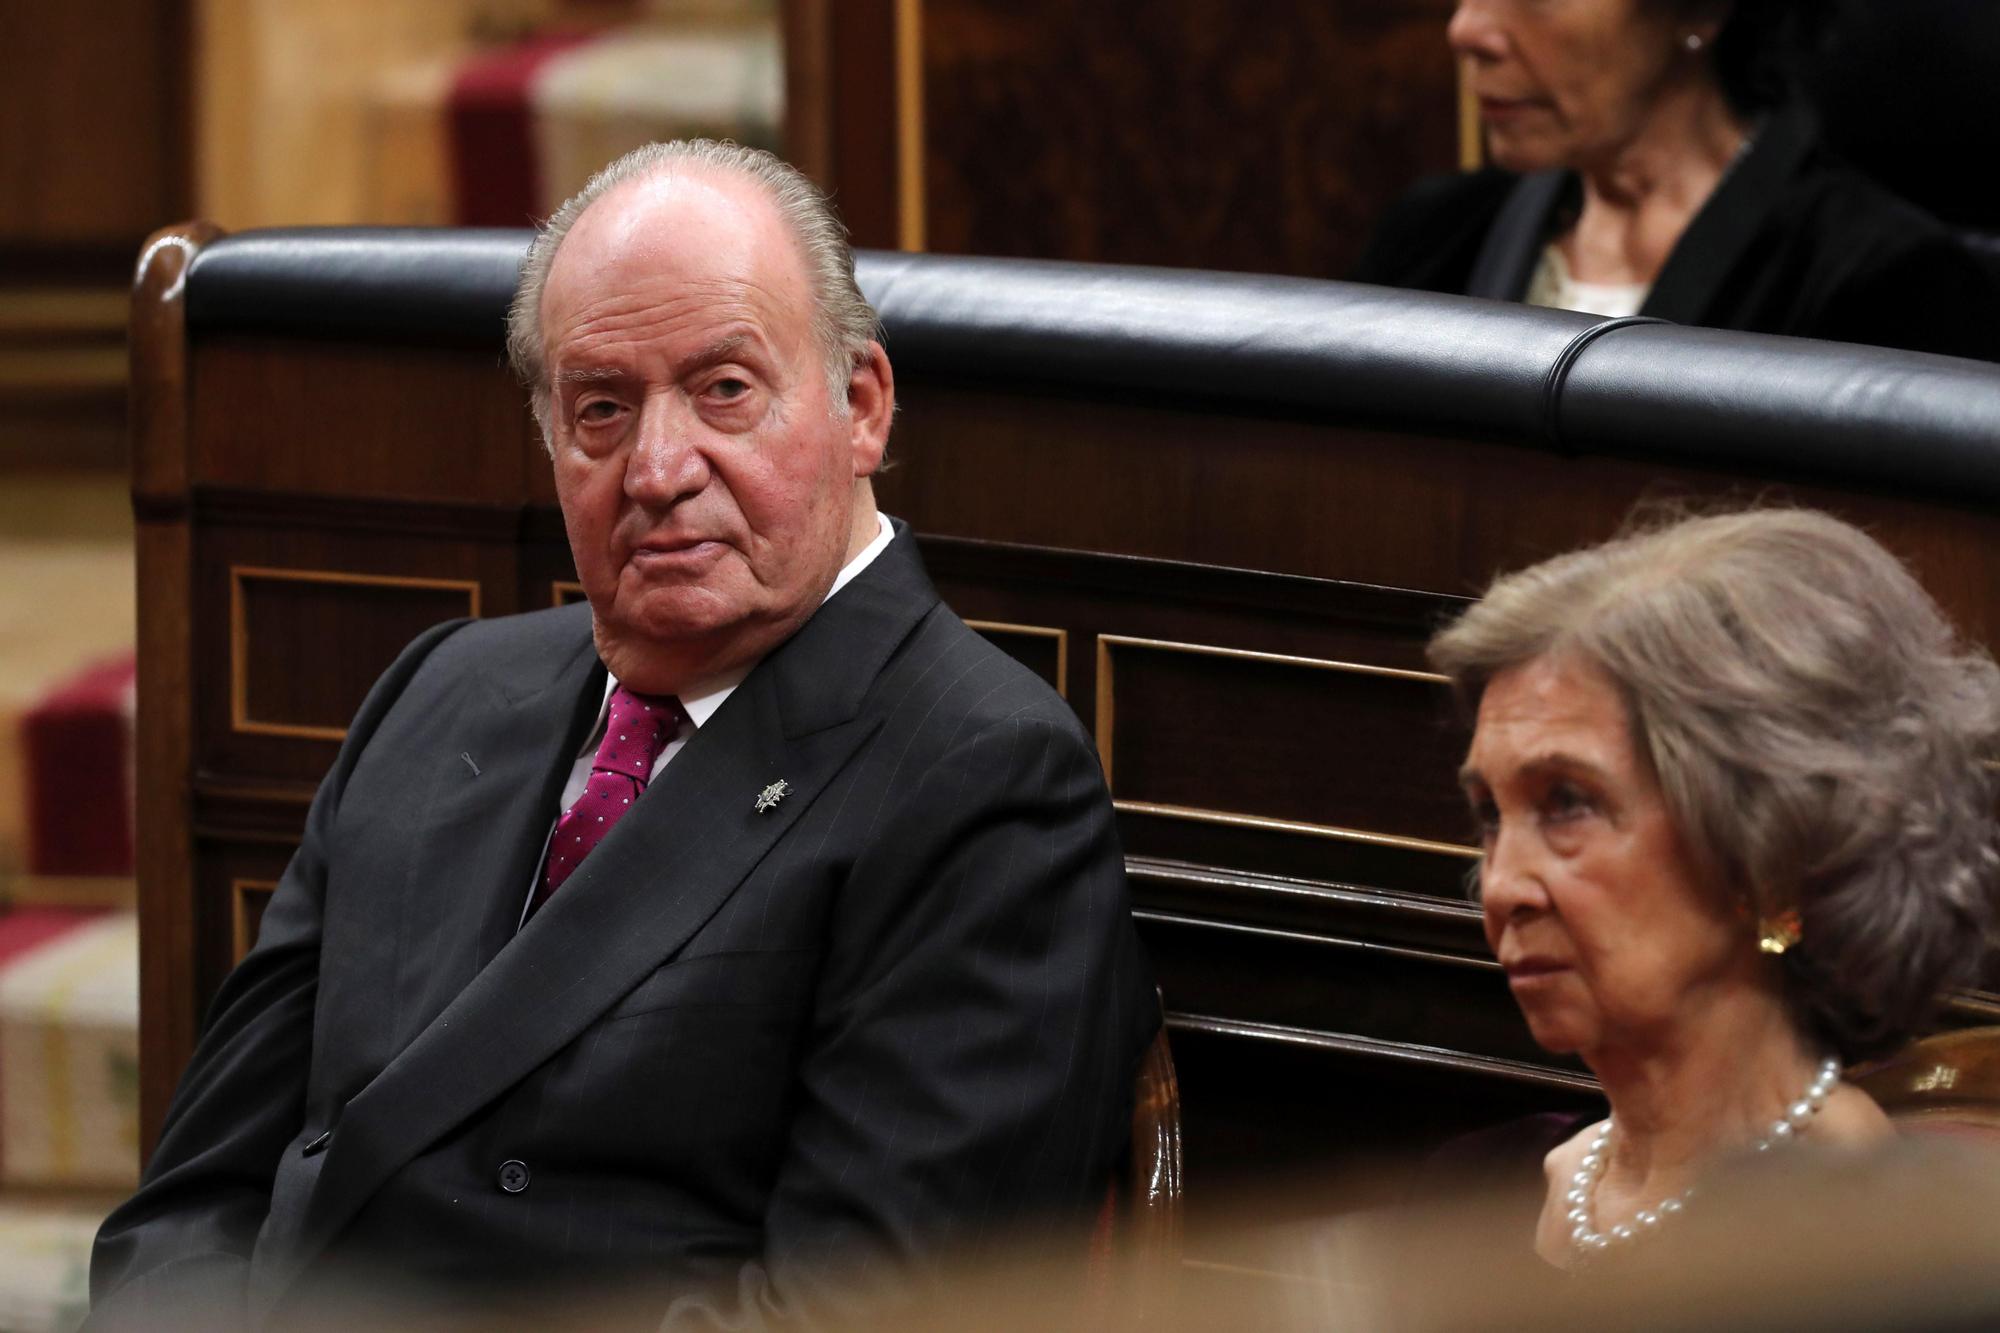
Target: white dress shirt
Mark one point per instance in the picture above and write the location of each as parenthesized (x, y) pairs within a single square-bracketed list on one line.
[(699, 703)]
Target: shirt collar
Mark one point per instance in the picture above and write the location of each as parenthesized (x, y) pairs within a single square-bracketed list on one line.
[(701, 702)]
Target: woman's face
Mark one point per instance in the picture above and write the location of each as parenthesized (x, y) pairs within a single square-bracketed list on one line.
[(1563, 83), (1607, 935)]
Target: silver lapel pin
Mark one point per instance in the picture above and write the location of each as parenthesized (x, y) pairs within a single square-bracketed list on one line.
[(771, 795)]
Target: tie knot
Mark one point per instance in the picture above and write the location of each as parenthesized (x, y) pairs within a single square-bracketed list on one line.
[(636, 728)]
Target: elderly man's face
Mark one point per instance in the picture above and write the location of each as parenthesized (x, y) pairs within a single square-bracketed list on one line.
[(711, 486)]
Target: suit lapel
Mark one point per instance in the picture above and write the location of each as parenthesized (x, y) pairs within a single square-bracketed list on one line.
[(661, 873), (1513, 246), (1728, 223), (496, 796), (1701, 261)]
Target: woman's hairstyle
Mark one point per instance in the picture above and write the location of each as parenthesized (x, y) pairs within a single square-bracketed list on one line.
[(1763, 47), (1821, 737)]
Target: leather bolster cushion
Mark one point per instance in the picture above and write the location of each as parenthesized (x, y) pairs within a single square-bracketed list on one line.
[(1402, 361)]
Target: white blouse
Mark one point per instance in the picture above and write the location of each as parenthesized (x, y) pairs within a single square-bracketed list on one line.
[(1552, 286)]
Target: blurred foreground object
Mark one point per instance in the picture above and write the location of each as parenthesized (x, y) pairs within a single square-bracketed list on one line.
[(1945, 1084)]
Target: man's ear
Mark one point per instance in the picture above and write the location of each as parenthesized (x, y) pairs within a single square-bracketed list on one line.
[(871, 406)]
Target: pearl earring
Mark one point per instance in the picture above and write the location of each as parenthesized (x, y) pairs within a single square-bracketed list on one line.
[(1693, 42)]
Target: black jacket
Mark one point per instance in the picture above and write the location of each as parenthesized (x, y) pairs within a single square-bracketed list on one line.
[(743, 1050), (1793, 241)]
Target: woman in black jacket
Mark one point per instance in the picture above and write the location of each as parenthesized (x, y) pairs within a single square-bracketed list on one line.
[(1651, 158)]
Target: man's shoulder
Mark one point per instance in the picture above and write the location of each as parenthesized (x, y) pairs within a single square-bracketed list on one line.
[(524, 641), (957, 677), (889, 646)]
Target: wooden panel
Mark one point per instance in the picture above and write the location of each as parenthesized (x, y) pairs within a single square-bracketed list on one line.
[(417, 423), (1180, 132), (843, 101), (1330, 1123), (1337, 501), (1338, 746), (234, 877), (96, 149), (248, 898), (1330, 990), (1251, 700), (1311, 983), (1039, 648), (287, 654), (305, 644), (1273, 848), (172, 990)]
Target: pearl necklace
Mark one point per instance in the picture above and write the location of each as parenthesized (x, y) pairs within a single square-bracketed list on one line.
[(1588, 1242)]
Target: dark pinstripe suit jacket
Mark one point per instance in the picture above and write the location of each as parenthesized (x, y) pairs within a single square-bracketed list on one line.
[(900, 1008)]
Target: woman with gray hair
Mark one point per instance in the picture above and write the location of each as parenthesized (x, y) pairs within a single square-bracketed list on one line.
[(1738, 831)]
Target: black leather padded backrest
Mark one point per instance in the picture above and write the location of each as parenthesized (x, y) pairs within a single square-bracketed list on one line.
[(1401, 361)]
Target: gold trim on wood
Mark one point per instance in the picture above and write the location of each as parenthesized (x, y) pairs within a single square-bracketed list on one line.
[(1281, 659), (1263, 823), (1471, 143), (910, 124), (1378, 948), (1405, 1052), (1061, 636), (1106, 716), (1105, 682), (239, 636), (239, 912), (1979, 1004), (561, 586)]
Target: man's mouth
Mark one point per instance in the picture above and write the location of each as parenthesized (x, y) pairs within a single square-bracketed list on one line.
[(1505, 108), (1533, 966), (668, 552)]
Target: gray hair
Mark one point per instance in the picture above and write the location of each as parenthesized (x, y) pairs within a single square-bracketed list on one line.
[(843, 323), (1818, 731)]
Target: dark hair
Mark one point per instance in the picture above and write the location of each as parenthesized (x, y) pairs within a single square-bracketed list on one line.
[(1764, 46)]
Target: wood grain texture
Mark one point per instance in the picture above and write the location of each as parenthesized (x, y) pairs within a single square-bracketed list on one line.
[(842, 108), (1289, 828), (1181, 132), (169, 1004), (97, 144), (1334, 500), (414, 423)]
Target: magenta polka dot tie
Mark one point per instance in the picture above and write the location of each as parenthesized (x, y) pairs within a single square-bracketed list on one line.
[(636, 728)]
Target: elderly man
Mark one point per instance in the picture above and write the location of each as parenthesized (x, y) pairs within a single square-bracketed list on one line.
[(755, 927)]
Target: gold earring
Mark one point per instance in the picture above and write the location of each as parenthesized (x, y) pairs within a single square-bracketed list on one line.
[(1775, 934)]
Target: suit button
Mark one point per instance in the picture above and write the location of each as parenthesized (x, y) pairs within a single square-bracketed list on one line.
[(513, 1176), (317, 1146)]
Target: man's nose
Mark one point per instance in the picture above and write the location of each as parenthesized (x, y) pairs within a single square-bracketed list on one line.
[(1475, 31), (667, 463)]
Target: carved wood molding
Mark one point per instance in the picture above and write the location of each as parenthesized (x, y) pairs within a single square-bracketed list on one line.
[(1347, 1043)]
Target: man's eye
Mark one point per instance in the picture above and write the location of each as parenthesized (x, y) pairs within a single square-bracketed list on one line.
[(1567, 801), (596, 410), (729, 388), (1486, 818)]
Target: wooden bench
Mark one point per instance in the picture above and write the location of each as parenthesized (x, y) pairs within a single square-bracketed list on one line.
[(1220, 513)]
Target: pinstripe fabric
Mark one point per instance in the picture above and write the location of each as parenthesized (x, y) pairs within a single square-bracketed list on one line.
[(758, 1053)]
